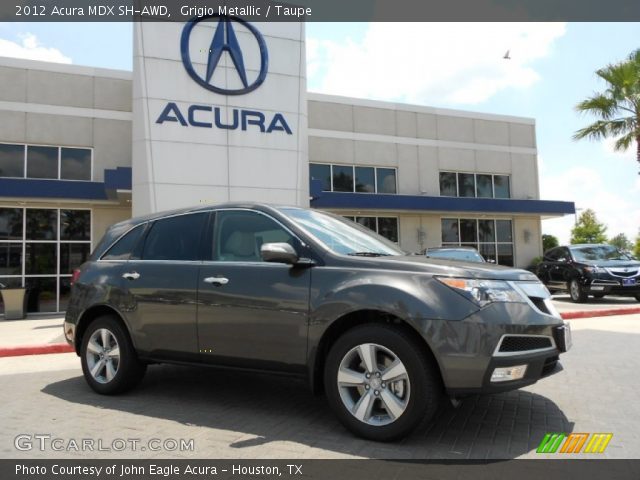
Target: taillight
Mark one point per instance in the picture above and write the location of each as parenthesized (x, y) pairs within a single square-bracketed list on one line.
[(75, 275)]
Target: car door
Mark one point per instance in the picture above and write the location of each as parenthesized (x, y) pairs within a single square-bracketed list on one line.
[(560, 271), (252, 313), (161, 288)]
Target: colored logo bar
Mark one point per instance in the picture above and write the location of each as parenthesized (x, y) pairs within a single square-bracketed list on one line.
[(574, 443)]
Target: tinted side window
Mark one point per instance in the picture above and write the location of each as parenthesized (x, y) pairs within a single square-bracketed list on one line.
[(240, 234), (124, 247), (175, 238)]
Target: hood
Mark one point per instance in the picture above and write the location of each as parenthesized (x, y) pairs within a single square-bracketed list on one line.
[(453, 268), (611, 263)]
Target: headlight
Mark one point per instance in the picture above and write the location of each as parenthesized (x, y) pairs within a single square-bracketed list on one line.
[(594, 270), (483, 292)]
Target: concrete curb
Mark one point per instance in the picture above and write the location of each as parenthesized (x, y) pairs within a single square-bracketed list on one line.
[(21, 350), (599, 313)]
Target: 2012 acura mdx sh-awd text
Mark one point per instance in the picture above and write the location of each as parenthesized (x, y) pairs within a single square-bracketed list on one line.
[(384, 334)]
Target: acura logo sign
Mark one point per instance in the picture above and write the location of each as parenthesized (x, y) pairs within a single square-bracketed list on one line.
[(224, 40)]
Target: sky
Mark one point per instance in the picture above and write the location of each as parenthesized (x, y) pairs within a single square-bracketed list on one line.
[(446, 65)]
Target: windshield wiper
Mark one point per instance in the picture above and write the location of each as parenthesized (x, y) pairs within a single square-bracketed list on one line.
[(369, 254)]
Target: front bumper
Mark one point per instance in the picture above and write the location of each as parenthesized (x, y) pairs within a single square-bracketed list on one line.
[(609, 286), (469, 351)]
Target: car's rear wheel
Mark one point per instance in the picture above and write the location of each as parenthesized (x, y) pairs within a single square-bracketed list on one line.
[(576, 292), (380, 383), (109, 361)]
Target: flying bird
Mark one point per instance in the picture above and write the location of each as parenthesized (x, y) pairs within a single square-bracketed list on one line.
[(506, 55)]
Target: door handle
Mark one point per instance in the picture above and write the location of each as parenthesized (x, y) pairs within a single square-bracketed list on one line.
[(216, 280), (131, 275)]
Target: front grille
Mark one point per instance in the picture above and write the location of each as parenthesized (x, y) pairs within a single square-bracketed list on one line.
[(622, 273), (514, 343)]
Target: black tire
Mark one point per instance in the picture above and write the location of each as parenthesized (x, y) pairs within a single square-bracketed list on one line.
[(129, 370), (576, 292), (637, 298), (424, 385)]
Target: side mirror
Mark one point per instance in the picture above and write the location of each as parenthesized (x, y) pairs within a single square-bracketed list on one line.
[(279, 253), (491, 260)]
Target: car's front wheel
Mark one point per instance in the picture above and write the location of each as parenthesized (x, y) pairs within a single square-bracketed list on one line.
[(576, 292), (380, 383), (109, 361)]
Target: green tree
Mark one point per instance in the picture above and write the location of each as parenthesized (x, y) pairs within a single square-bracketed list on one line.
[(548, 242), (617, 107), (588, 229), (621, 242), (636, 247)]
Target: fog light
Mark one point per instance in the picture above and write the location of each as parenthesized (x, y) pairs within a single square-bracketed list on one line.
[(505, 374)]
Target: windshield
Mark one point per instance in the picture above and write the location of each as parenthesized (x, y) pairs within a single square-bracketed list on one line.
[(598, 252), (341, 235), (462, 255)]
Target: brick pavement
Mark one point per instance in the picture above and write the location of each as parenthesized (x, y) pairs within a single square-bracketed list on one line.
[(231, 415)]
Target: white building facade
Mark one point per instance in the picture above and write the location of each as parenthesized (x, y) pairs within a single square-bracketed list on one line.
[(206, 117)]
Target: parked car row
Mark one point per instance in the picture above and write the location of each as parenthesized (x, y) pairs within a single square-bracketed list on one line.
[(590, 269)]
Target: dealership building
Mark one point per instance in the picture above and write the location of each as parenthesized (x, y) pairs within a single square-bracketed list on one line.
[(218, 110)]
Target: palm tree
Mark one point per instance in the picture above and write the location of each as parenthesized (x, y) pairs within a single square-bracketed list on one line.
[(618, 107)]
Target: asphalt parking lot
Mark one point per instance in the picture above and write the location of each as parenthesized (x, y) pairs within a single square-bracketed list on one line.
[(230, 415)]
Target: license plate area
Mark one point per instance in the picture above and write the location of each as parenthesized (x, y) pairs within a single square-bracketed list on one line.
[(629, 282)]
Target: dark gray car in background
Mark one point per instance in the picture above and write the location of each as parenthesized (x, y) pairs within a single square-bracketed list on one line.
[(384, 334)]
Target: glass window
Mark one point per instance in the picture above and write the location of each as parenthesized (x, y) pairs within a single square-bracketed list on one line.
[(240, 235), (41, 294), (75, 164), (75, 225), (41, 259), (505, 254), (448, 187), (342, 179), (11, 223), (175, 238), (42, 224), (386, 180), (42, 162), (123, 249), (501, 186), (10, 258), (484, 186), (450, 232), (486, 231), (322, 173), (467, 184), (468, 231), (72, 255), (365, 179), (10, 282), (11, 160), (488, 251), (369, 222), (388, 228), (503, 228)]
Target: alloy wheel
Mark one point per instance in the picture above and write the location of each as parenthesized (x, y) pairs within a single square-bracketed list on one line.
[(103, 355), (373, 384)]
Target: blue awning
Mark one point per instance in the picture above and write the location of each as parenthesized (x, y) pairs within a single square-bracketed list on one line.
[(114, 180), (370, 201)]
